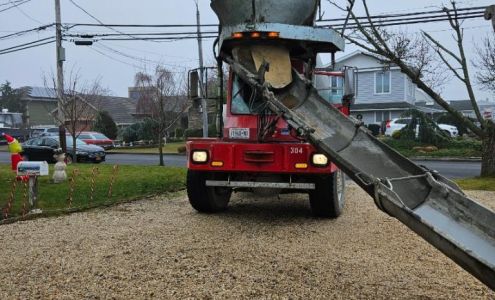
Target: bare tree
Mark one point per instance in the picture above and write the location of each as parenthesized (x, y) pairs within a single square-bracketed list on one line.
[(163, 92), (79, 105), (419, 59), (485, 63)]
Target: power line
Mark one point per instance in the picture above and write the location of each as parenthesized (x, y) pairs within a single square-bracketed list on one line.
[(27, 47), (71, 25), (187, 59), (149, 60), (138, 58), (96, 19), (212, 34), (115, 59), (15, 4), (141, 34), (171, 39), (25, 14), (23, 32), (127, 63), (479, 8), (398, 23), (441, 17), (425, 13), (26, 44), (10, 2)]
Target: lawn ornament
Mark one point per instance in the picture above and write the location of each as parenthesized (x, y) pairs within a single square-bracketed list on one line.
[(60, 175), (15, 150)]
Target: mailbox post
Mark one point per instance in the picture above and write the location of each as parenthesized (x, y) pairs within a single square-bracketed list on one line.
[(32, 170)]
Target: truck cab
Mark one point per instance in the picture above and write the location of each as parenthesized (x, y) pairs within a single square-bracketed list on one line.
[(260, 152), (257, 150)]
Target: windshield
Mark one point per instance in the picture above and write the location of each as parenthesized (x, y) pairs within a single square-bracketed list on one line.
[(100, 136), (78, 141), (245, 100)]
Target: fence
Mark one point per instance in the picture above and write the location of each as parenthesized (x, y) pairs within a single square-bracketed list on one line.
[(79, 192)]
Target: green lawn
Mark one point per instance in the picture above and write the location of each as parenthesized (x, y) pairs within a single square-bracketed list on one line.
[(170, 148), (131, 182), (483, 184)]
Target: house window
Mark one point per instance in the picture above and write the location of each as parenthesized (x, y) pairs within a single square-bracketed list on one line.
[(383, 82), (412, 88), (336, 85), (381, 116)]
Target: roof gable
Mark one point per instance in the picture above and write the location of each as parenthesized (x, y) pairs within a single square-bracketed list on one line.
[(360, 60)]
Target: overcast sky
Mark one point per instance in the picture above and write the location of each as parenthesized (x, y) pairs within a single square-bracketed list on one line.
[(27, 68)]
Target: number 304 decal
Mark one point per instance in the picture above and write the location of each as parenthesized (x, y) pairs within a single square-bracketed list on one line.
[(296, 150)]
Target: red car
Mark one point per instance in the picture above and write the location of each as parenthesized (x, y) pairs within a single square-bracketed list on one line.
[(96, 138)]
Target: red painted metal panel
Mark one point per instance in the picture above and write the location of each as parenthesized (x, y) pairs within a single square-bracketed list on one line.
[(279, 158)]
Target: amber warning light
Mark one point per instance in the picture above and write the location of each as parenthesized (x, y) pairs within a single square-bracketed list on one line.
[(273, 35), (237, 35), (256, 35)]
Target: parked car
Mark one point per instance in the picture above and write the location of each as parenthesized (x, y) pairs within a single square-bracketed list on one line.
[(398, 124), (38, 132), (43, 149), (96, 138), (450, 130)]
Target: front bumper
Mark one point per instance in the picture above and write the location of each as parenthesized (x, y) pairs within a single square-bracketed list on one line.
[(237, 157), (267, 185)]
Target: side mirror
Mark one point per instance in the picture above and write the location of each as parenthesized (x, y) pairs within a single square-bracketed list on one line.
[(350, 78), (194, 84)]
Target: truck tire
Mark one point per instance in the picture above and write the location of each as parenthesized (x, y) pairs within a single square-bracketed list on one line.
[(206, 199), (327, 200)]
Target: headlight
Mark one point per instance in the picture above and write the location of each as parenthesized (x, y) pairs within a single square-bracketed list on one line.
[(320, 160), (200, 156)]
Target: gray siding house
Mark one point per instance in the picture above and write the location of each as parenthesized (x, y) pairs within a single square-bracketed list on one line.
[(383, 91)]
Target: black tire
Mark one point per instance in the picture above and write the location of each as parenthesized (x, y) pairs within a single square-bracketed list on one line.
[(327, 200), (206, 199)]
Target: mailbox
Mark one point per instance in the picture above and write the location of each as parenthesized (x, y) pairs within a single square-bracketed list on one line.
[(32, 168)]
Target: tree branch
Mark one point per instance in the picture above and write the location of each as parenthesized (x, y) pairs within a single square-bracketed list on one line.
[(460, 44), (451, 68), (440, 46)]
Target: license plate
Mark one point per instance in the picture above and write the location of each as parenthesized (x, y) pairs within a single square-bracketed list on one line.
[(239, 133)]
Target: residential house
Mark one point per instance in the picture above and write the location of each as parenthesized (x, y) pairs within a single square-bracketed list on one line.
[(119, 108), (40, 102), (383, 91), (175, 107), (487, 108)]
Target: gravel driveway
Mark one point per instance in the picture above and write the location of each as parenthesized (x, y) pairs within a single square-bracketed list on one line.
[(260, 248)]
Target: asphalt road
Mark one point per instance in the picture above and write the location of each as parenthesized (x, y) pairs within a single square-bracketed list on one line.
[(450, 169)]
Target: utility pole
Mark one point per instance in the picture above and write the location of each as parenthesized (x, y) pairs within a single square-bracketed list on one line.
[(60, 51), (201, 73), (490, 14)]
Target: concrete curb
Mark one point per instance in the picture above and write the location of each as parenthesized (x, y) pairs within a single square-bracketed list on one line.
[(452, 159), (150, 154)]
